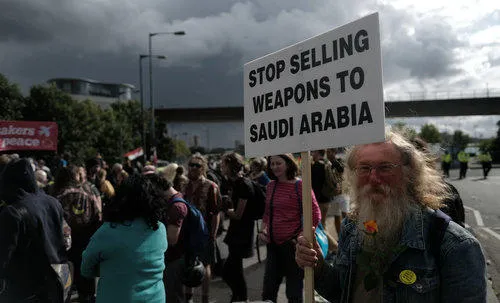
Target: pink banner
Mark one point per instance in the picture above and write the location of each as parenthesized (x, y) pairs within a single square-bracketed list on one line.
[(28, 135)]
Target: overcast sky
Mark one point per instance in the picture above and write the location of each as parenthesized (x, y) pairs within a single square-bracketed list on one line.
[(427, 45)]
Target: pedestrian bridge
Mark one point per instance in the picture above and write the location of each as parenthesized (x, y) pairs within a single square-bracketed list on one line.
[(437, 104)]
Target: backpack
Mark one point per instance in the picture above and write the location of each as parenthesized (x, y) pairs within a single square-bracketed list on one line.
[(257, 203), (214, 176), (330, 186), (439, 224), (195, 232), (80, 207), (454, 207)]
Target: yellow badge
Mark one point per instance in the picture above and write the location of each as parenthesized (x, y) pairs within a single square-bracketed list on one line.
[(407, 277)]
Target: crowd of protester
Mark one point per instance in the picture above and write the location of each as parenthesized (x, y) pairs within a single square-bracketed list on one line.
[(125, 227)]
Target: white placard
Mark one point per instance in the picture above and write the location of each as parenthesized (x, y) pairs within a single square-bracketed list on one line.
[(323, 92)]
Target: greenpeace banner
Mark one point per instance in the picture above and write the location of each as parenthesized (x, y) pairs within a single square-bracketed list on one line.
[(323, 92), (28, 135)]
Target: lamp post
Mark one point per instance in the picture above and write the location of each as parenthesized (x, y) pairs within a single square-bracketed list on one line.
[(151, 104), (141, 89)]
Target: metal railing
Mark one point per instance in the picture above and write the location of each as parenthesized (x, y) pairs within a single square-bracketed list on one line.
[(443, 95)]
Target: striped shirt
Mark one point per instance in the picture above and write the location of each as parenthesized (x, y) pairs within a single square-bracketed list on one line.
[(286, 210)]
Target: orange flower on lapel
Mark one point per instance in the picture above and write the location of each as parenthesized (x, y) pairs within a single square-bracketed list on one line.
[(371, 226)]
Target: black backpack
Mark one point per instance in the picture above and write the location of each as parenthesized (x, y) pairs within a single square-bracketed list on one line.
[(257, 203), (454, 207)]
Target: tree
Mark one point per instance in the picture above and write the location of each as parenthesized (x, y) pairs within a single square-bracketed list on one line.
[(486, 145), (171, 149), (430, 133), (496, 146), (446, 140), (125, 122), (50, 104), (181, 149), (84, 128), (460, 140), (403, 129), (11, 99)]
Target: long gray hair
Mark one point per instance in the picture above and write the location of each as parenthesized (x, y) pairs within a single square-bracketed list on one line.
[(424, 184)]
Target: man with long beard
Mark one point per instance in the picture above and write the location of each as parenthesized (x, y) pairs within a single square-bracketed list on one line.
[(394, 246)]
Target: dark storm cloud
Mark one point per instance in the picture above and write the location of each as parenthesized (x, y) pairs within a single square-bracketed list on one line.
[(102, 40), (20, 21), (213, 85), (209, 85)]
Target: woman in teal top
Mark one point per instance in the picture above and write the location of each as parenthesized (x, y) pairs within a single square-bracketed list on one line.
[(127, 251)]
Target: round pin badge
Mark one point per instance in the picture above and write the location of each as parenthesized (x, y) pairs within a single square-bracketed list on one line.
[(407, 277)]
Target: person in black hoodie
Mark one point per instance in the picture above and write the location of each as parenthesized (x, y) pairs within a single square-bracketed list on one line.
[(31, 238)]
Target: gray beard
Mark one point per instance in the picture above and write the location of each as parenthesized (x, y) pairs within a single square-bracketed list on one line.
[(389, 212)]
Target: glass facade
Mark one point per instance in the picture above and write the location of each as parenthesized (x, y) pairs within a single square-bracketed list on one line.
[(87, 87)]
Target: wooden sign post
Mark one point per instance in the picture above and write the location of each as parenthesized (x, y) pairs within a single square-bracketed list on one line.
[(307, 222)]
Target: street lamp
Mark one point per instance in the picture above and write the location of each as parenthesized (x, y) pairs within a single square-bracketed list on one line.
[(151, 35), (141, 89)]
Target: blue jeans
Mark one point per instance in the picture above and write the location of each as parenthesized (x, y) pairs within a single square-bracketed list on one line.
[(281, 263)]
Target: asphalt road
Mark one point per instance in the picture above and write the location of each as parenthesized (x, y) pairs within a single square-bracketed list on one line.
[(481, 199)]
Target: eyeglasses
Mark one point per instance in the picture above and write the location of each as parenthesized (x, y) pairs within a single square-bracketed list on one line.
[(194, 165), (383, 170)]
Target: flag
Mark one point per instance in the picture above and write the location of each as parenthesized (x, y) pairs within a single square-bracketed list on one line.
[(134, 154)]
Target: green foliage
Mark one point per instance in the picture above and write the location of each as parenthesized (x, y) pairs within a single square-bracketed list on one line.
[(401, 128), (50, 104), (172, 149), (123, 129), (84, 127), (165, 149), (430, 133), (496, 146), (460, 139), (487, 145), (11, 99), (446, 140), (181, 149)]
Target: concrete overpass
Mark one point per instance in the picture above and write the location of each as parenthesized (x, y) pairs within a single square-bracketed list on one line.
[(489, 105)]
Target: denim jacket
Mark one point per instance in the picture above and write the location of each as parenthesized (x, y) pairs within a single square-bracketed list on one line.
[(458, 275)]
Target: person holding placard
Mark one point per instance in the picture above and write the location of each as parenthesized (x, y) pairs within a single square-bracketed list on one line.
[(281, 223), (396, 245)]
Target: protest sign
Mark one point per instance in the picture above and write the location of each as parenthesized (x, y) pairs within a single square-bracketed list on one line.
[(28, 135), (323, 92)]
